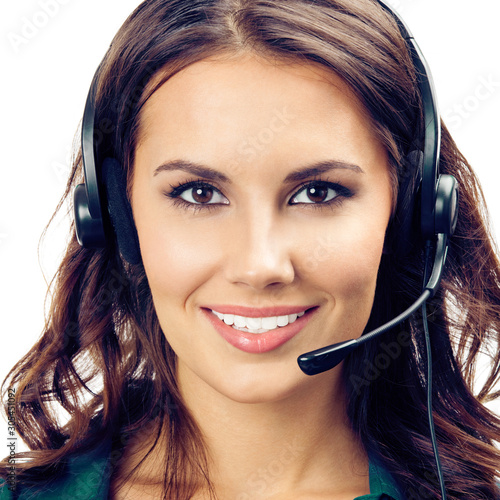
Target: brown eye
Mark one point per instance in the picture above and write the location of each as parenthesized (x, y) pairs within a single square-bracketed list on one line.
[(320, 192), (198, 193), (202, 194), (317, 194)]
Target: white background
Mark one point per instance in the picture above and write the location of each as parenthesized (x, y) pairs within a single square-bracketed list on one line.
[(44, 85)]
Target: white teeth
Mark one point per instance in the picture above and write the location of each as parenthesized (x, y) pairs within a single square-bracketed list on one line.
[(270, 323), (257, 325), (238, 320), (282, 320), (254, 323), (228, 319)]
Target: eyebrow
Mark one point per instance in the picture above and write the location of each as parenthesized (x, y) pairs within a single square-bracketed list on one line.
[(297, 175), (193, 168), (320, 168)]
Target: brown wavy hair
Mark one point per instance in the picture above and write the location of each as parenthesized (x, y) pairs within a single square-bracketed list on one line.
[(103, 357)]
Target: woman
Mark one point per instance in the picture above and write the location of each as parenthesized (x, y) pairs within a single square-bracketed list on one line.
[(260, 171)]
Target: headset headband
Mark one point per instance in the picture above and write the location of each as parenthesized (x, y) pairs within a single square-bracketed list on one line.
[(432, 127)]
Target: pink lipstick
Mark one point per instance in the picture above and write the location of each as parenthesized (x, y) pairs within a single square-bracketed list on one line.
[(258, 342)]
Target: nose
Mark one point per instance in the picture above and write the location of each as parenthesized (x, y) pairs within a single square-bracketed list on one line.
[(261, 253)]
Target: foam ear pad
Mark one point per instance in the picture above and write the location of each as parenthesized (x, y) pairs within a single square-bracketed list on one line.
[(120, 211), (400, 237)]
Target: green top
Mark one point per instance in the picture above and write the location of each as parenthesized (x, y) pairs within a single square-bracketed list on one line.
[(88, 477)]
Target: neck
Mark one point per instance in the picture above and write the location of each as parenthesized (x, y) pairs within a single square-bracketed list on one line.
[(300, 446), (259, 450)]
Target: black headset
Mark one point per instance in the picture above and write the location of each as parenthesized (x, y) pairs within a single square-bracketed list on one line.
[(104, 195), (438, 193), (105, 187)]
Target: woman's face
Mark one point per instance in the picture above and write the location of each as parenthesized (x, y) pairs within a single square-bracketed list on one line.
[(259, 191)]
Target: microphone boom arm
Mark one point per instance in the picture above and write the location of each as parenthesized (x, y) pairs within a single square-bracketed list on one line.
[(320, 360)]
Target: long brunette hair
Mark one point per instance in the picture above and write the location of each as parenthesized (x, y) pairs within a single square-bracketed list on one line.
[(103, 357)]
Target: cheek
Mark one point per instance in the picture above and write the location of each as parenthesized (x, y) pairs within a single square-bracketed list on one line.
[(177, 260), (350, 258), (346, 269)]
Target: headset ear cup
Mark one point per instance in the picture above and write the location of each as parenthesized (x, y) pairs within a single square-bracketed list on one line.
[(89, 231), (120, 211), (400, 238), (446, 210)]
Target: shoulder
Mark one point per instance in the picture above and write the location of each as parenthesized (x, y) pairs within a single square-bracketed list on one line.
[(382, 485), (5, 490), (86, 477)]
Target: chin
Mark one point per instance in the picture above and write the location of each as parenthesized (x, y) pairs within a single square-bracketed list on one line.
[(265, 383)]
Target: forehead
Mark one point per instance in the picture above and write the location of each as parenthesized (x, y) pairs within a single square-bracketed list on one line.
[(219, 87), (242, 114)]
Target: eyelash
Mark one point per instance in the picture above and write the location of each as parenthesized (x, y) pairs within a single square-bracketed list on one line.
[(342, 194), (184, 186)]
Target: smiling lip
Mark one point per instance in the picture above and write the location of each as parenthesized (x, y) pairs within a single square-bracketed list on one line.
[(258, 312), (258, 342)]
